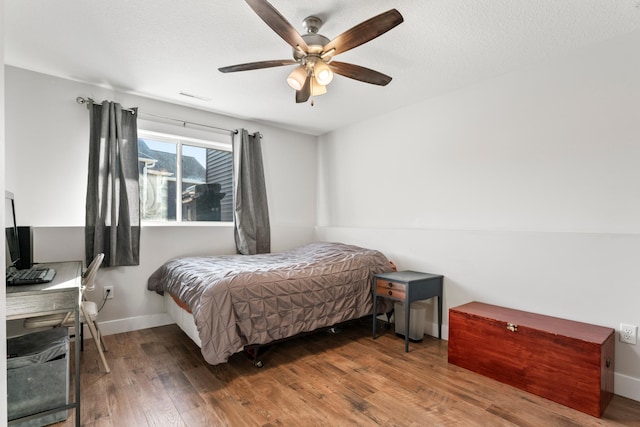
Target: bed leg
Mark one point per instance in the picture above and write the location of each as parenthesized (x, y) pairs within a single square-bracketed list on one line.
[(252, 353)]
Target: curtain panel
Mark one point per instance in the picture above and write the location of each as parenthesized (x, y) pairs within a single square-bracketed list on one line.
[(112, 223), (251, 212)]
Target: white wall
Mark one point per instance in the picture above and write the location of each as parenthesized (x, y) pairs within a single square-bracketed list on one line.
[(524, 190), (46, 167)]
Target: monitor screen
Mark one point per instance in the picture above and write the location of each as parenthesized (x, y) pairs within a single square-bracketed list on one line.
[(12, 245)]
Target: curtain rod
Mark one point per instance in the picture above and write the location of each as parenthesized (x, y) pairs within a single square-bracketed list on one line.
[(81, 100)]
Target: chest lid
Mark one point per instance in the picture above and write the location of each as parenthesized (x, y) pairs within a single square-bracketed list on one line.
[(523, 319)]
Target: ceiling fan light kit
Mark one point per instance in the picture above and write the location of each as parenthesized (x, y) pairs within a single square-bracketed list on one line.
[(317, 89), (322, 73), (314, 53), (297, 78)]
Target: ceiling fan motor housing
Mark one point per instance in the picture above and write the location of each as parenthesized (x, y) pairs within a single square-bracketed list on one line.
[(314, 41)]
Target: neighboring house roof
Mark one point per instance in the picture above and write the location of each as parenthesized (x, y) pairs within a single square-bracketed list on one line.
[(165, 162)]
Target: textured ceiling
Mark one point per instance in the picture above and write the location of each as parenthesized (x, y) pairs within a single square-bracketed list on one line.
[(161, 48)]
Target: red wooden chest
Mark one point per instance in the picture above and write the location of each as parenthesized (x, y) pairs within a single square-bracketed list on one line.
[(569, 362)]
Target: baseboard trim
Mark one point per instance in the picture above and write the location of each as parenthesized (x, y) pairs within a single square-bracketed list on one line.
[(129, 324), (627, 386)]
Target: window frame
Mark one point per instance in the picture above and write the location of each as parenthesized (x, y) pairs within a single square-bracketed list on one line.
[(179, 141)]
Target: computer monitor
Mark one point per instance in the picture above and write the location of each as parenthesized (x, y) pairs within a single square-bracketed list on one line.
[(12, 243)]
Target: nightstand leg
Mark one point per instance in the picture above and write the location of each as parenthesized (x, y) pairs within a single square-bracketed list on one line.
[(375, 313), (439, 316), (407, 311)]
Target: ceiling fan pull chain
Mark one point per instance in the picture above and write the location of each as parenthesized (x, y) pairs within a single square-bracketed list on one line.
[(312, 83)]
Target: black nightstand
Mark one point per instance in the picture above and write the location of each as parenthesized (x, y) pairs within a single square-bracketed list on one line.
[(407, 287)]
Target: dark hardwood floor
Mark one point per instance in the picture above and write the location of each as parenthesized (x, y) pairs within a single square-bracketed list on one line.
[(159, 378)]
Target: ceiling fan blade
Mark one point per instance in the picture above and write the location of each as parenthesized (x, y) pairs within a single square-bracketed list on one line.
[(303, 94), (364, 32), (256, 65), (357, 72), (278, 23)]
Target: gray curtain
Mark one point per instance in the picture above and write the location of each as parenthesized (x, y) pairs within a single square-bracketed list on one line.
[(251, 213), (113, 199)]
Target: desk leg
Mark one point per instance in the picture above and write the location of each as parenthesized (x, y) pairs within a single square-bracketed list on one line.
[(407, 311), (77, 373)]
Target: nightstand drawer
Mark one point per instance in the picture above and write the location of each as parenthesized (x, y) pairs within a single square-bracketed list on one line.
[(391, 289)]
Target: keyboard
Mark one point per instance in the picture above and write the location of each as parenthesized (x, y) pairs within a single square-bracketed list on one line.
[(30, 276)]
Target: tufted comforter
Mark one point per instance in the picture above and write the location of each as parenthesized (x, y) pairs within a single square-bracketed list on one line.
[(239, 300)]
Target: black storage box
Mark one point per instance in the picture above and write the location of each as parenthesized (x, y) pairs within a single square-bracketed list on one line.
[(38, 376)]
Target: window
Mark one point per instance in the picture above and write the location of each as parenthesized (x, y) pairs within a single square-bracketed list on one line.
[(202, 170)]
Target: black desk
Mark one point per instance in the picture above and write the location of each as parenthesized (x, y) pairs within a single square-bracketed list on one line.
[(62, 295), (407, 287)]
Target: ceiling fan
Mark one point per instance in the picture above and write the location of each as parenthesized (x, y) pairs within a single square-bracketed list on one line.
[(313, 52)]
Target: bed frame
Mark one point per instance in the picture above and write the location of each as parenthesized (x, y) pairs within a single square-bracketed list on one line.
[(183, 318)]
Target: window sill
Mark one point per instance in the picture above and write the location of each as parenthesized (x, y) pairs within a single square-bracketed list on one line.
[(186, 224)]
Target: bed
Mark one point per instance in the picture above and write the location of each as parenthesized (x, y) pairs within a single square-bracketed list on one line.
[(240, 301)]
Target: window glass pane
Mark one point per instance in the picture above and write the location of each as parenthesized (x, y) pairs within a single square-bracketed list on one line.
[(207, 184), (191, 175), (157, 165)]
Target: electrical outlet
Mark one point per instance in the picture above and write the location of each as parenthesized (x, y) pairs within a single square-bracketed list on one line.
[(628, 333), (108, 292)]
